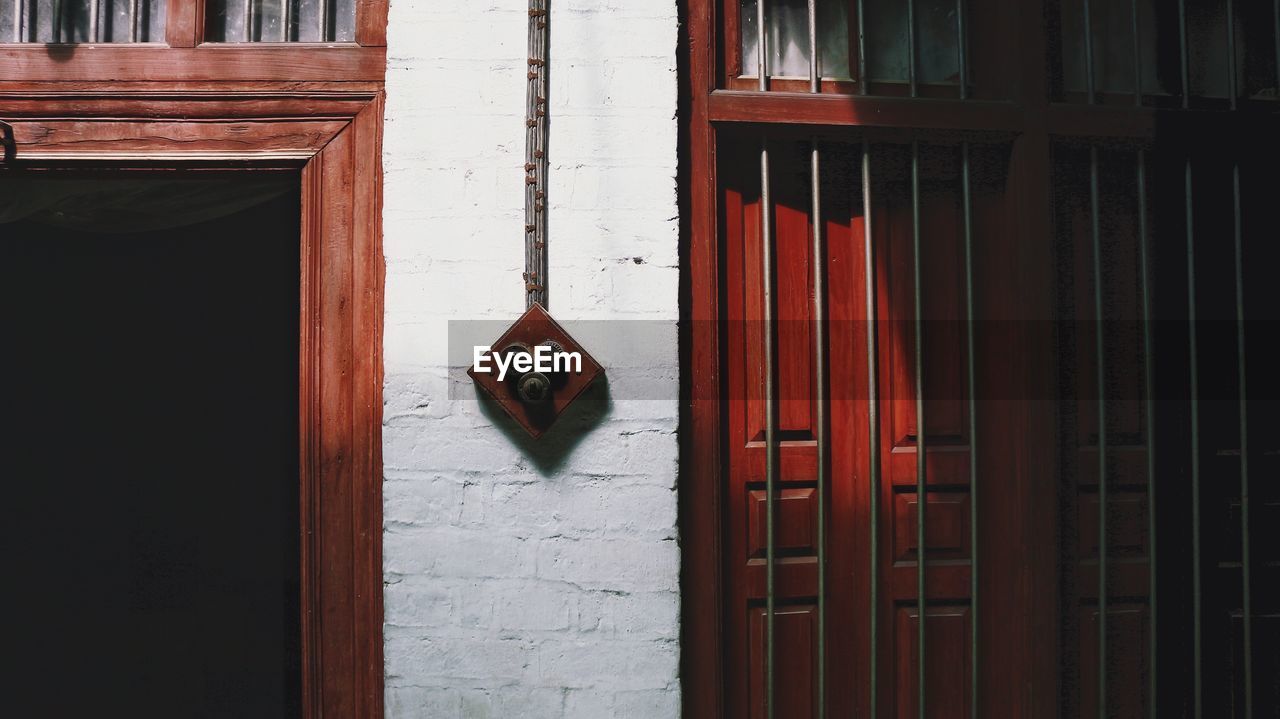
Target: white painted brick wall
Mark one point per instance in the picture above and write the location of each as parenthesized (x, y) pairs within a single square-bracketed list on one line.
[(518, 585)]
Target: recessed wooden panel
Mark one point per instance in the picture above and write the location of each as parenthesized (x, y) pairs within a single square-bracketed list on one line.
[(946, 667), (1126, 525), (795, 678), (945, 464), (1126, 464), (1127, 666), (795, 522), (946, 526), (848, 559), (793, 295)]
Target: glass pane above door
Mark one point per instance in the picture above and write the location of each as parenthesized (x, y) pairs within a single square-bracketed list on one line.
[(82, 21), (788, 38), (282, 21)]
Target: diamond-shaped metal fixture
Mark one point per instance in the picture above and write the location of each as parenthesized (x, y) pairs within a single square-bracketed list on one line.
[(535, 399)]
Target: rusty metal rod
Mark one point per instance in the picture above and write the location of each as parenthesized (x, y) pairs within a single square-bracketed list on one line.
[(921, 443), (1100, 357), (873, 433)]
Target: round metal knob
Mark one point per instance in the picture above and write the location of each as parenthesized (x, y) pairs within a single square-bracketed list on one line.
[(534, 388)]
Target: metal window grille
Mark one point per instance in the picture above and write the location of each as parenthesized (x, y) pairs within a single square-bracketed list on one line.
[(309, 21), (83, 21)]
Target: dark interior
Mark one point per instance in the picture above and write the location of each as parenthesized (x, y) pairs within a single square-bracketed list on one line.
[(151, 448)]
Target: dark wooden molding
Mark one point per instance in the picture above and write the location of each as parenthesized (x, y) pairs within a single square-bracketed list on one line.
[(221, 62), (701, 462), (795, 108)]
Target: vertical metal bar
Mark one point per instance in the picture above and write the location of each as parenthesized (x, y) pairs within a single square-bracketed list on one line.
[(814, 76), (970, 315), (286, 19), (1089, 81), (873, 432), (1137, 54), (95, 29), (762, 66), (19, 9), (921, 494), (911, 47), (766, 254), (133, 20), (820, 370), (771, 421), (820, 366), (1245, 578), (1194, 367), (324, 21), (863, 78), (247, 30), (962, 45), (1232, 71), (1184, 56), (1148, 345), (1100, 357), (57, 21)]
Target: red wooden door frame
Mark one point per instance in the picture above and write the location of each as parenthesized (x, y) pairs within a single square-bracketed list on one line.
[(332, 136)]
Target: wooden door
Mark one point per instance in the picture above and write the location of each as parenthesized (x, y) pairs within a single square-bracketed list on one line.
[(870, 541), (895, 408)]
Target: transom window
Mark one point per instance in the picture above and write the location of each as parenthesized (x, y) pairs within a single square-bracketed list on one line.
[(83, 21), (144, 21), (281, 21)]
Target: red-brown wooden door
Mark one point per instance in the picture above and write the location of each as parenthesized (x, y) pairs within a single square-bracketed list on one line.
[(974, 231), (850, 555)]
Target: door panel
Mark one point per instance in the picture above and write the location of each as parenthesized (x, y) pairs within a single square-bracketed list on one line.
[(944, 329)]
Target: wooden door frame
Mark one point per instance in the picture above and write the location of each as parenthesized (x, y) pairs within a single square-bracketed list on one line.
[(330, 134)]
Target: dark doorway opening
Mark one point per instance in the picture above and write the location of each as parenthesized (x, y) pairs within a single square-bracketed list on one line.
[(151, 444)]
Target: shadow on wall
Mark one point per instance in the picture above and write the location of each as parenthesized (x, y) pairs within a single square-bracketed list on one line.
[(549, 453)]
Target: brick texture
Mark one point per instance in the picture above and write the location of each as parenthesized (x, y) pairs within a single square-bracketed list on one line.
[(528, 579)]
